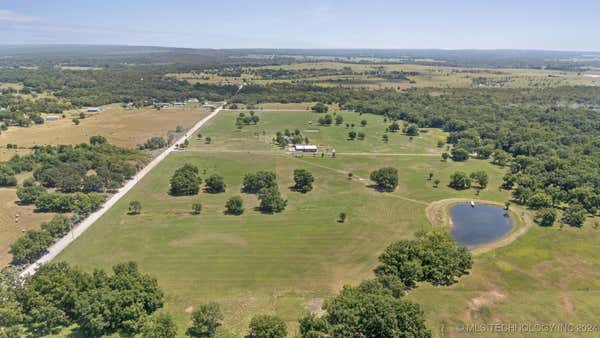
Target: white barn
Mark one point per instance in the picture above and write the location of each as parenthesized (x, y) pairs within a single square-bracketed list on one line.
[(309, 148)]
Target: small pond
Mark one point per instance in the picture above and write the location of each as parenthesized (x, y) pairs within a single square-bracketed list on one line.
[(480, 224)]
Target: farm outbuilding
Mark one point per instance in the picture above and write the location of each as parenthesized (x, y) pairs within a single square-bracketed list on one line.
[(309, 148), (93, 109), (52, 118)]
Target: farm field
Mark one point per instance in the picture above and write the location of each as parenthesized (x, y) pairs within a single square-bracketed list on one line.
[(122, 127), (288, 263), (425, 76)]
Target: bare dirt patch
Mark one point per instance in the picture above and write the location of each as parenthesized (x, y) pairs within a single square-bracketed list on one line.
[(494, 295), (315, 305)]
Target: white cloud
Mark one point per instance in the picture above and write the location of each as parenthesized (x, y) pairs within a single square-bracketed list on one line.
[(10, 16)]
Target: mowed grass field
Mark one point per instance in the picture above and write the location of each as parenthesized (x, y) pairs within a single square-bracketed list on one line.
[(288, 263), (226, 136)]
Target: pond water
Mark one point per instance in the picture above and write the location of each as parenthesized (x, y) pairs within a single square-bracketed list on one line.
[(480, 224)]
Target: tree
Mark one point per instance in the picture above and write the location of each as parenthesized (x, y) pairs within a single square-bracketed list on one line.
[(361, 135), (215, 184), (506, 205), (574, 216), (161, 325), (484, 152), (265, 326), (445, 156), (320, 108), (351, 135), (252, 183), (459, 154), (459, 181), (412, 130), (326, 120), (120, 302), (92, 183), (29, 194), (234, 205), (385, 138), (205, 320), (208, 140), (135, 207), (386, 179), (539, 200), (434, 257), (436, 182), (312, 326), (98, 140), (339, 119), (394, 127), (546, 217), (58, 226), (480, 177), (370, 310), (303, 180), (30, 246), (271, 200), (342, 217), (153, 143), (7, 177), (196, 208), (75, 121), (363, 123), (185, 181)]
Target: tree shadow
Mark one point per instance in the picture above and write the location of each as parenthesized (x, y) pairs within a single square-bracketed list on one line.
[(379, 188)]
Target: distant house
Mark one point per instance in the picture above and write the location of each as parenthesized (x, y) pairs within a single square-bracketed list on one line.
[(93, 109), (309, 148), (193, 100), (178, 104), (52, 118)]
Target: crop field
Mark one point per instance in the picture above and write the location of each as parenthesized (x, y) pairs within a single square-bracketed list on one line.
[(288, 263)]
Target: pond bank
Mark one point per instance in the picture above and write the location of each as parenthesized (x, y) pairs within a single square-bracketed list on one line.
[(438, 214)]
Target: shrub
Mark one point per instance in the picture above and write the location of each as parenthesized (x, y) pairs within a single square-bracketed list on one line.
[(234, 206)]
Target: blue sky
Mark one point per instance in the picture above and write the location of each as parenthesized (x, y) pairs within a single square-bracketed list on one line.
[(452, 24)]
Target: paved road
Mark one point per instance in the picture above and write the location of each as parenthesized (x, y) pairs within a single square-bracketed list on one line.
[(61, 244)]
